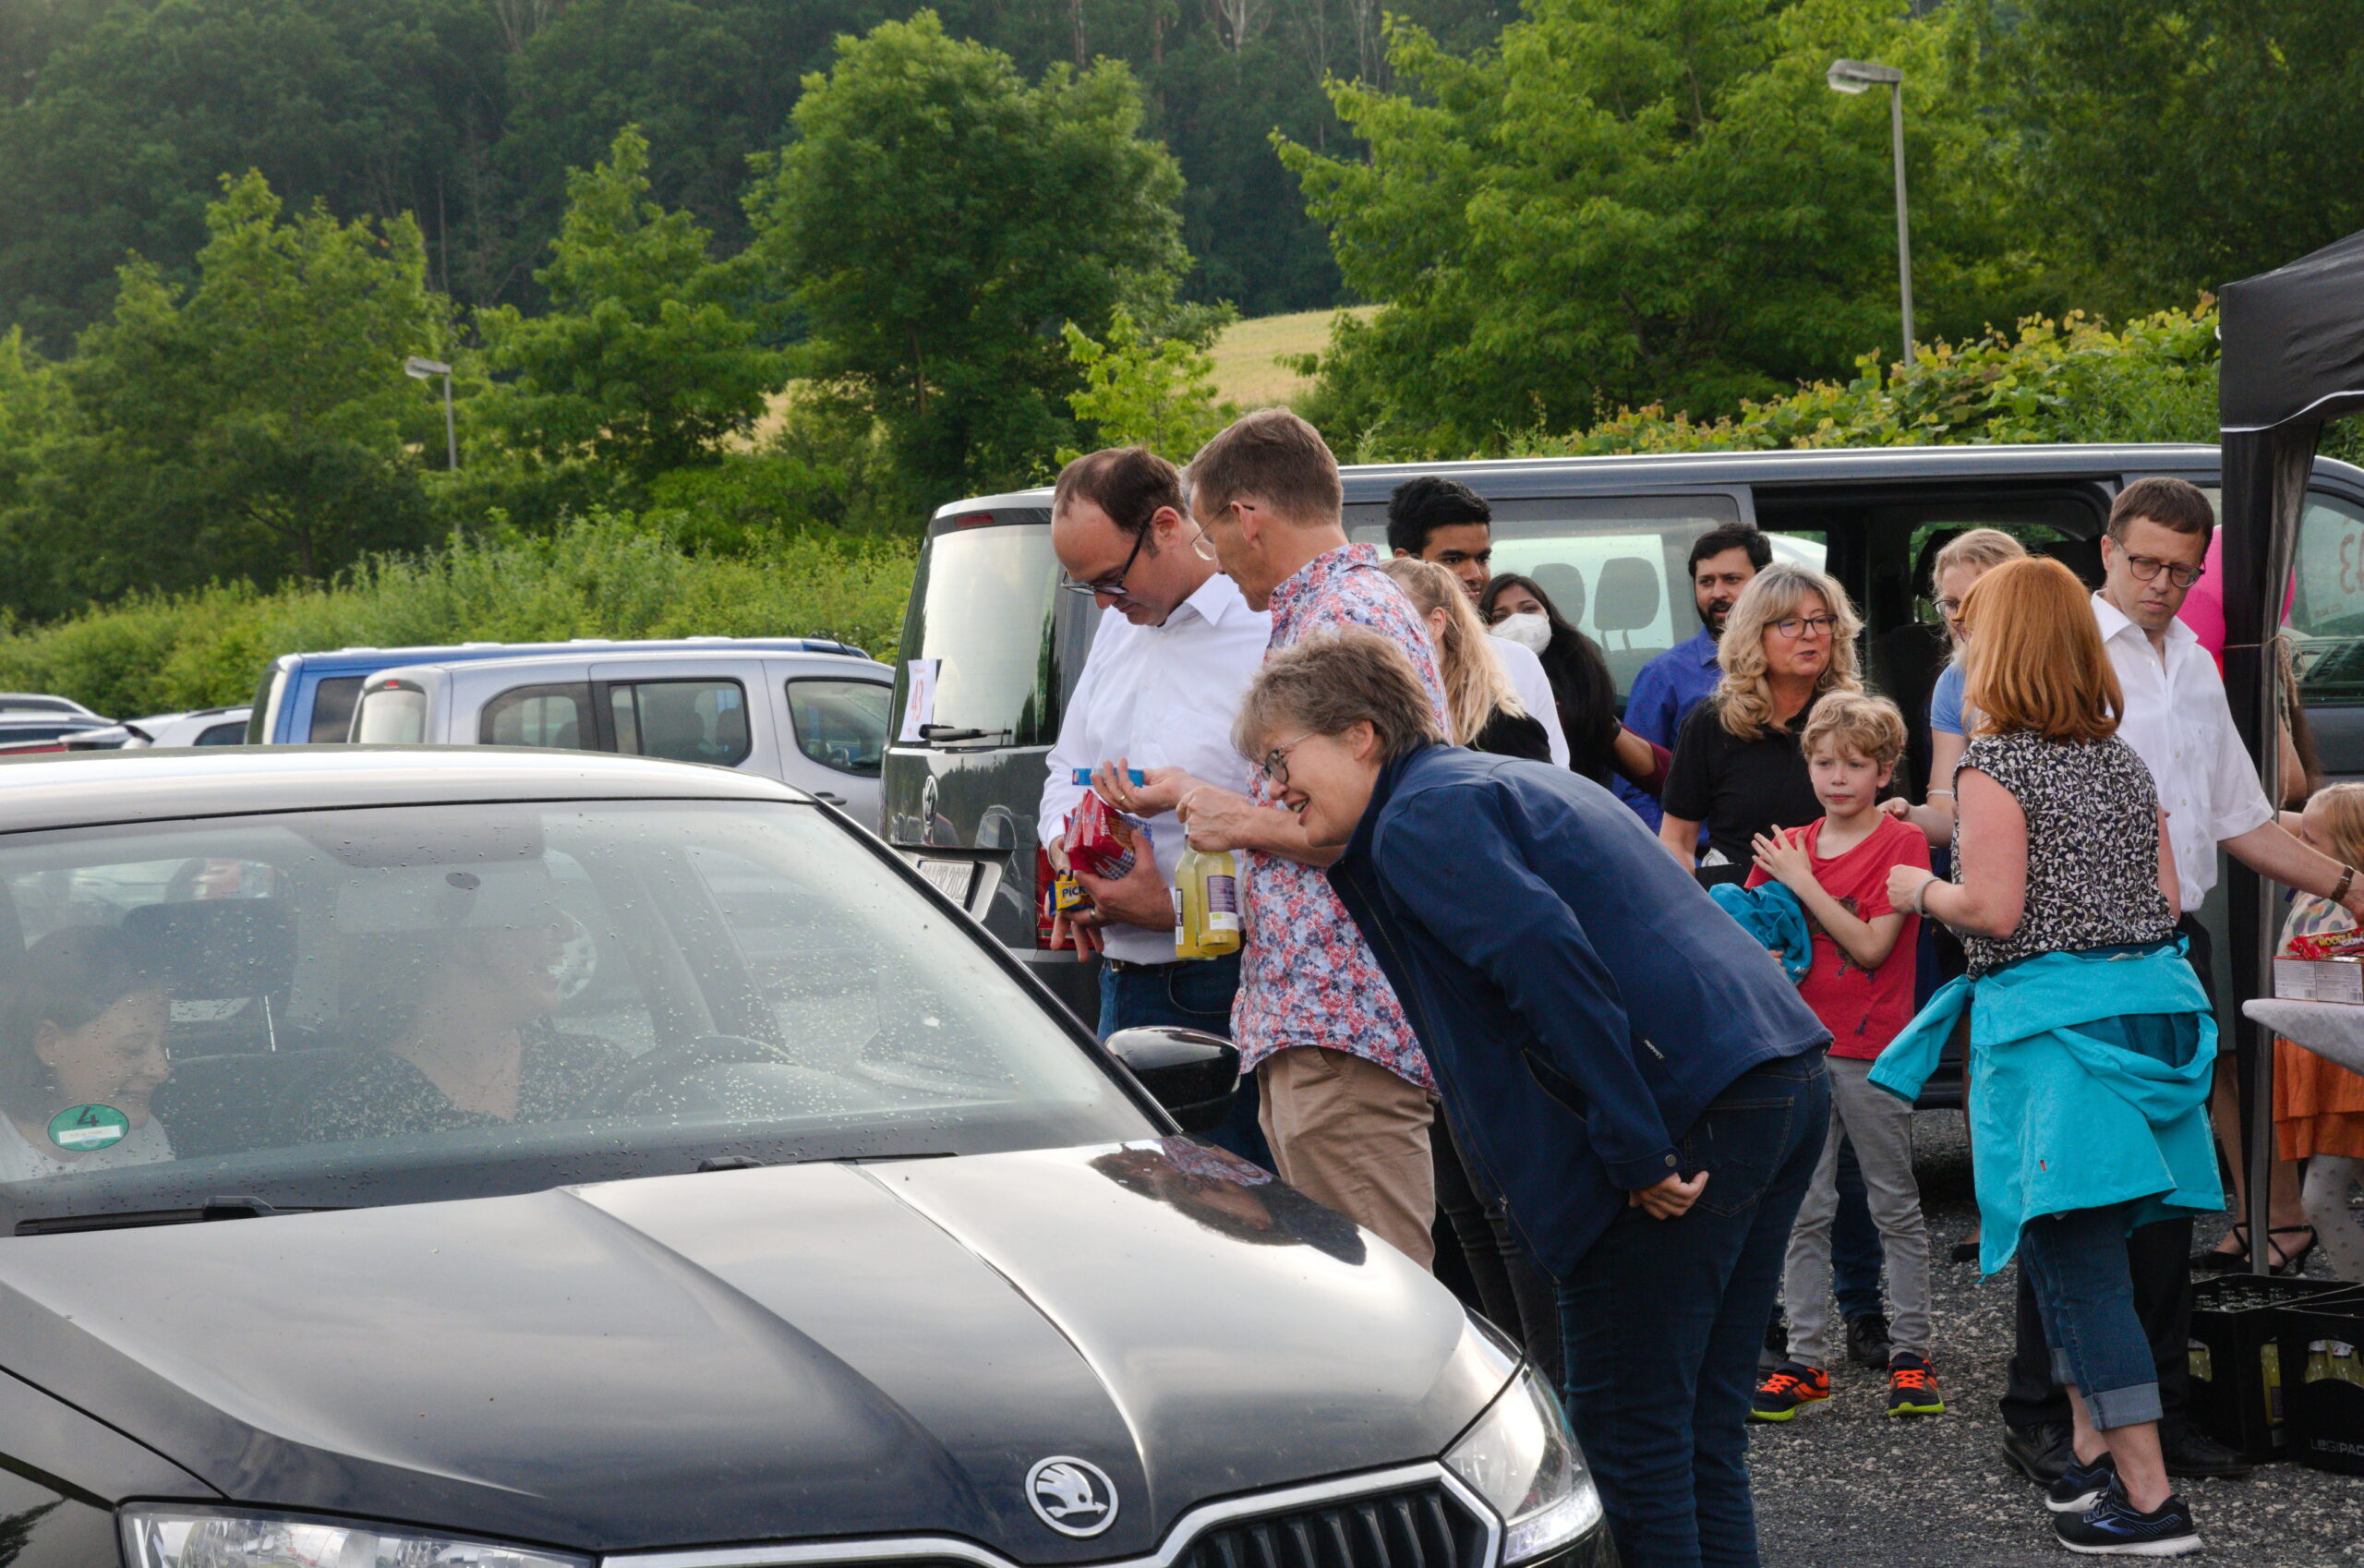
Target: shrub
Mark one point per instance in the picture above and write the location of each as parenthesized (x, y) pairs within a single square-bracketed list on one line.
[(608, 576)]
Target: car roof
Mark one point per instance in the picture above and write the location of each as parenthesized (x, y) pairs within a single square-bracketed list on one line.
[(721, 657), (38, 701), (86, 787), (1506, 477), (368, 660)]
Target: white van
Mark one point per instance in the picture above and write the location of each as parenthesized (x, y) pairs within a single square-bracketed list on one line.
[(815, 720)]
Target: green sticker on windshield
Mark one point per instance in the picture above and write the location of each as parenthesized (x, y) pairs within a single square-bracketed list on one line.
[(82, 1129)]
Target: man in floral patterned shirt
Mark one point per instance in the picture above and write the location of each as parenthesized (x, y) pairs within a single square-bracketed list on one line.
[(1347, 1097)]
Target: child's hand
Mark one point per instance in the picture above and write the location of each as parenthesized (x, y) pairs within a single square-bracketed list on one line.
[(1783, 859)]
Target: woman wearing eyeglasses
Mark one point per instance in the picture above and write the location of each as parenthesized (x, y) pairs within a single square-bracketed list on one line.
[(1789, 641)]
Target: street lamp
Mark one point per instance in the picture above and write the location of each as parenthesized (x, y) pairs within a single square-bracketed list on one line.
[(1861, 75), (419, 369)]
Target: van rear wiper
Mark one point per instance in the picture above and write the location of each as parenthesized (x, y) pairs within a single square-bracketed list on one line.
[(235, 1206), (937, 734)]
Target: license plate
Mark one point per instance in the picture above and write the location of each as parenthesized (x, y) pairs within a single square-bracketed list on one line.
[(952, 878)]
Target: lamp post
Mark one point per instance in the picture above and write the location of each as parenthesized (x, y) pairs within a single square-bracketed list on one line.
[(419, 369), (1861, 75)]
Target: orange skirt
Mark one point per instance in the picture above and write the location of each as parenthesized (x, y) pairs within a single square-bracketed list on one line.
[(2318, 1105)]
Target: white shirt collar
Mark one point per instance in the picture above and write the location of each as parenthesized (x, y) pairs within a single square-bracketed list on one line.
[(1215, 599), (2114, 622)]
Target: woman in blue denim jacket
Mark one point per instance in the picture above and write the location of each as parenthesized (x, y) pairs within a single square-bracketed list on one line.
[(2091, 1037), (1634, 1072)]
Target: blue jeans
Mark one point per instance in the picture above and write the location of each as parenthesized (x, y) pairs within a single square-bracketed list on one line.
[(1192, 994), (1662, 1319), (2078, 1265)]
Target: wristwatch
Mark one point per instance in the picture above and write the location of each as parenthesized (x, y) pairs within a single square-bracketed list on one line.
[(2339, 890)]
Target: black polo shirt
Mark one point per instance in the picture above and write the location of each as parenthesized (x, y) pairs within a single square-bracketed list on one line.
[(1738, 788)]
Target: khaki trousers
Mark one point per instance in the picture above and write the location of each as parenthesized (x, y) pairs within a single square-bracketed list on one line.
[(1349, 1133)]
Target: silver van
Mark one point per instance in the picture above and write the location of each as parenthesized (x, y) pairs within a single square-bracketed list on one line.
[(815, 720)]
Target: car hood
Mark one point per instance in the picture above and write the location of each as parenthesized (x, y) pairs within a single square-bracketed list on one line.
[(765, 1354)]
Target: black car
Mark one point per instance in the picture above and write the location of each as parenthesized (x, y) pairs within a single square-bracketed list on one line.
[(522, 1159)]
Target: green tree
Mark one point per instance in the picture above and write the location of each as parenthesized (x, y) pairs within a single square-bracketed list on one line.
[(1141, 391), (1630, 201), (377, 107), (259, 426), (638, 365), (2172, 145), (935, 221)]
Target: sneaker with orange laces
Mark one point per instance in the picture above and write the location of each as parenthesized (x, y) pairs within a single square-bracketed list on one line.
[(1913, 1386), (1790, 1390)]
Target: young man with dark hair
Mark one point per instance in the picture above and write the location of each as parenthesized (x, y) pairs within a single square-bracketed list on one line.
[(2178, 721), (1347, 1096), (1439, 520), (1723, 562), (1174, 648)]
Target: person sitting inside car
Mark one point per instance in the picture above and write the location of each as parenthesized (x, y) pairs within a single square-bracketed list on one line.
[(456, 1027), (82, 1034)]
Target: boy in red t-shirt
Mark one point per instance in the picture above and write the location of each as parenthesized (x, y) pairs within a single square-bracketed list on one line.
[(1860, 986)]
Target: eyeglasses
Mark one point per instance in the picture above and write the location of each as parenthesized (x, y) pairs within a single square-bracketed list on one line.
[(1203, 546), (1807, 626), (1274, 764), (2146, 568), (1113, 587), (1950, 609)]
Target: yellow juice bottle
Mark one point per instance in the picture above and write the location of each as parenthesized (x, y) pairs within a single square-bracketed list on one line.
[(1206, 904)]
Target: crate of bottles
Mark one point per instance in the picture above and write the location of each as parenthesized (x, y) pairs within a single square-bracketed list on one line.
[(2322, 1381), (2237, 1358)]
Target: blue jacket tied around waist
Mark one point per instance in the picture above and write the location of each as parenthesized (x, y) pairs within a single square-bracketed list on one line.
[(1773, 915), (1580, 997), (2064, 1113)]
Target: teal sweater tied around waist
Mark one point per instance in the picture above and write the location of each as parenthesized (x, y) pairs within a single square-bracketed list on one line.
[(2064, 1112)]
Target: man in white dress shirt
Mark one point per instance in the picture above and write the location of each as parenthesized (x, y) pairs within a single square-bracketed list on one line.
[(1433, 518), (1173, 652), (2178, 721)]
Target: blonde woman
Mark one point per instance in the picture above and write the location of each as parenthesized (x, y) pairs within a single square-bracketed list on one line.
[(1486, 714), (1961, 564), (1789, 641)]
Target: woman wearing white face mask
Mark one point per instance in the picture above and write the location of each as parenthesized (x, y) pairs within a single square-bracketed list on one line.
[(1516, 608)]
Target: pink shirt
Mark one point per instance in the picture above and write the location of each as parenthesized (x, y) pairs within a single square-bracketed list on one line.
[(1307, 977)]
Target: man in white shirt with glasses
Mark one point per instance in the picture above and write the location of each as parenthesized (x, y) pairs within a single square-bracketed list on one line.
[(1172, 656)]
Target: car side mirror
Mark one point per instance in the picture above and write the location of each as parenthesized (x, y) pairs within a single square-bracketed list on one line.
[(1190, 1072)]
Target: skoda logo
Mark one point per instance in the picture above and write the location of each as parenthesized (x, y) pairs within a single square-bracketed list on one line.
[(1073, 1496)]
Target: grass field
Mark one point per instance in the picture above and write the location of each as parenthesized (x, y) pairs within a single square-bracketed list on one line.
[(1244, 373)]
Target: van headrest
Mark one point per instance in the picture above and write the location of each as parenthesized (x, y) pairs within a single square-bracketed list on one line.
[(214, 949)]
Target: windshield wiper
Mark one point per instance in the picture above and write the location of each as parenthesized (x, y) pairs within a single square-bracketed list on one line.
[(235, 1206)]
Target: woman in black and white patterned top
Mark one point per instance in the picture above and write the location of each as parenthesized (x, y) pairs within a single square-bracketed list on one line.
[(2091, 823), (2062, 851)]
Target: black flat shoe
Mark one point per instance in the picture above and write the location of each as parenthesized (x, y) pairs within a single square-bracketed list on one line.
[(1965, 1252), (2191, 1454), (2216, 1261)]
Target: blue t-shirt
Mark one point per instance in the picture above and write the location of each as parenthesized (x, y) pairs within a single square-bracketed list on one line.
[(1944, 703)]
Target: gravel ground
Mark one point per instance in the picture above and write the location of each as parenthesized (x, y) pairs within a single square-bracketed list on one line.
[(1844, 1485)]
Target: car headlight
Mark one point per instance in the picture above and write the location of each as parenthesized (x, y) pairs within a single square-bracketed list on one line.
[(161, 1536), (1522, 1459)]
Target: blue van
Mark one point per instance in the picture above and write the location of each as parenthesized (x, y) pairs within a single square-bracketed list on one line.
[(307, 698)]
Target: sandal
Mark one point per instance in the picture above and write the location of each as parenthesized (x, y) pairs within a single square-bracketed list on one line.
[(2291, 1263), (2216, 1261)]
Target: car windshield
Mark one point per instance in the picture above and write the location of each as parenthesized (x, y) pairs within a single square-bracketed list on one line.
[(333, 1009)]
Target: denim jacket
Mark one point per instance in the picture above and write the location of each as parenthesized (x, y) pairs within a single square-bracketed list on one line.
[(1581, 998)]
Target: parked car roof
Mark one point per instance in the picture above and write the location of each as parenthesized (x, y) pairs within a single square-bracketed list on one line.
[(41, 701), (57, 790)]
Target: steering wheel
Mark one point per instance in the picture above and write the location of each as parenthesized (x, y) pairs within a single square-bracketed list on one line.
[(680, 1059)]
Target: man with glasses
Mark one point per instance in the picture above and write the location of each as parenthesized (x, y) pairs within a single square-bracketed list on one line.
[(1175, 649), (1347, 1096), (2175, 719)]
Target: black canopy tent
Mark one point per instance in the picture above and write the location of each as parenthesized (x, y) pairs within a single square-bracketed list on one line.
[(2293, 359)]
